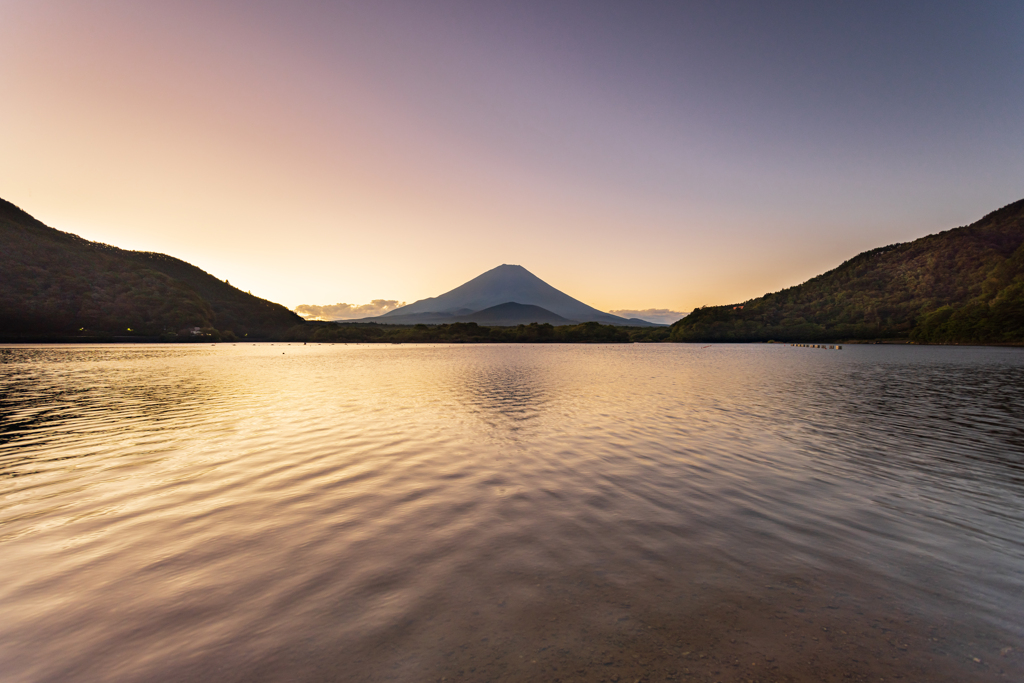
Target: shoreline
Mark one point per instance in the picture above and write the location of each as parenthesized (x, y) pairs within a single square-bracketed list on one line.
[(99, 341)]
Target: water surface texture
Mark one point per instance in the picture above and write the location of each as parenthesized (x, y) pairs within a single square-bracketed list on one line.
[(511, 513)]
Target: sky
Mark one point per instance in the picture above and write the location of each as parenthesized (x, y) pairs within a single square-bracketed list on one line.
[(639, 156)]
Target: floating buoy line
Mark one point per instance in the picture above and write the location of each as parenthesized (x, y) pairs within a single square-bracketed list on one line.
[(829, 347)]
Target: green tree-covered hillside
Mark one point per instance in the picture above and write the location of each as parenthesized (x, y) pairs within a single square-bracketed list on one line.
[(56, 283), (964, 285)]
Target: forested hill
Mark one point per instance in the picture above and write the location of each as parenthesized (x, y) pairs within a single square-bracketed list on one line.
[(964, 285), (56, 283)]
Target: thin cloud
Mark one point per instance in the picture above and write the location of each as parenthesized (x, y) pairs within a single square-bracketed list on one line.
[(663, 316), (347, 311)]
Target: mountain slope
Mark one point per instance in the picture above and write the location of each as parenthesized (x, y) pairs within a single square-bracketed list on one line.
[(53, 282), (964, 285), (507, 284), (503, 315), (509, 314)]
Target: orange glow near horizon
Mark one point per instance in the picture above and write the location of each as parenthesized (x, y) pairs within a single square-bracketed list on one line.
[(316, 155)]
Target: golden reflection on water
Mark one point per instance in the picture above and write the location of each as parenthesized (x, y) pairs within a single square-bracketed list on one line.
[(360, 512)]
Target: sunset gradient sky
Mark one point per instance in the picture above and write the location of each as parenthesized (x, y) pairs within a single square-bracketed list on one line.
[(632, 154)]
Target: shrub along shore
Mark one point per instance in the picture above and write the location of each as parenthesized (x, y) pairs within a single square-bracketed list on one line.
[(368, 333), (455, 333)]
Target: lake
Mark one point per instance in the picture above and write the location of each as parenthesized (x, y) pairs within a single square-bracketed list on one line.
[(666, 512)]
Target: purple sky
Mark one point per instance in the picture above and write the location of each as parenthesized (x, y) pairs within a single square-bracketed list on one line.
[(635, 155)]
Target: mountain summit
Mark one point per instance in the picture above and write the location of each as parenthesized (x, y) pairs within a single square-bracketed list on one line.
[(506, 284)]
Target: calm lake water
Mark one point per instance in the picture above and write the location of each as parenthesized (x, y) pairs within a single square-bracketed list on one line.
[(511, 513)]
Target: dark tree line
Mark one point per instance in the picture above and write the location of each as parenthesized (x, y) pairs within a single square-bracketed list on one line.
[(464, 333)]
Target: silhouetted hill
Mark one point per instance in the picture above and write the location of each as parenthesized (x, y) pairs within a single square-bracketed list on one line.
[(964, 285), (53, 282), (502, 315), (511, 313), (502, 285)]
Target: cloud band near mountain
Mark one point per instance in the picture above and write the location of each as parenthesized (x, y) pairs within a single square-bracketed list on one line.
[(347, 311)]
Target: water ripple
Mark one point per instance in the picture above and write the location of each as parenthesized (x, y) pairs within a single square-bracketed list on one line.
[(284, 512)]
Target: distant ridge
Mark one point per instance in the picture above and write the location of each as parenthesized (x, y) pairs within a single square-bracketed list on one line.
[(515, 314), (964, 286), (504, 285), (57, 283)]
